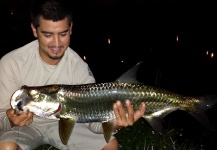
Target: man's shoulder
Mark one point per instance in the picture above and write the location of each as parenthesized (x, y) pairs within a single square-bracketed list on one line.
[(72, 52), (23, 51), (73, 55), (27, 48)]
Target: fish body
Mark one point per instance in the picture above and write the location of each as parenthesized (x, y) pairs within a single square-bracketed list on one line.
[(93, 102)]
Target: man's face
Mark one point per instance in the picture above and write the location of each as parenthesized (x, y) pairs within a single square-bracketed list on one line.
[(54, 39)]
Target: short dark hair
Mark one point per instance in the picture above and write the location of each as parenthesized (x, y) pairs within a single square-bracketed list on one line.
[(54, 10)]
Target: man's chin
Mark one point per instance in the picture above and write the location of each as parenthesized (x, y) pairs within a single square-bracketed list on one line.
[(56, 56)]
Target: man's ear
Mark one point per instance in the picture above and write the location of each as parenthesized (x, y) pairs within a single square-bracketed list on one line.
[(71, 28), (34, 30)]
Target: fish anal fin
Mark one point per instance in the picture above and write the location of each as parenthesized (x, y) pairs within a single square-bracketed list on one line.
[(155, 123), (108, 128), (155, 119), (66, 126)]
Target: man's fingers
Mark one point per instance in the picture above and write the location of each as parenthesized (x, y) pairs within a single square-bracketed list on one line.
[(130, 113), (25, 122), (28, 119), (127, 116), (23, 116), (140, 112), (116, 112), (20, 120)]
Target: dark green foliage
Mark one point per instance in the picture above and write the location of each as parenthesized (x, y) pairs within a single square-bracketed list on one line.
[(141, 136)]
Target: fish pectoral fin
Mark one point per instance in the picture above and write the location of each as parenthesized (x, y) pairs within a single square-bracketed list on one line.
[(108, 128), (66, 126)]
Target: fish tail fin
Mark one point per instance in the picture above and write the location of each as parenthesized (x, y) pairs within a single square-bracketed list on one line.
[(66, 126), (202, 118), (205, 103), (155, 119)]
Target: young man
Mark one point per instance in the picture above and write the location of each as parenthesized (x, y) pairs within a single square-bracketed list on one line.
[(50, 60)]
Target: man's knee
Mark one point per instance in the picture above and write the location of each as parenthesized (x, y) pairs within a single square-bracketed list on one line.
[(9, 146), (112, 145)]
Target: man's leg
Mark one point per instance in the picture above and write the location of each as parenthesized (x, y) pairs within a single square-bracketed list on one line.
[(9, 146), (25, 137), (112, 145)]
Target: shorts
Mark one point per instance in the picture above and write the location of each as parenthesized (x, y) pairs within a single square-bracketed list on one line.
[(26, 137), (32, 136)]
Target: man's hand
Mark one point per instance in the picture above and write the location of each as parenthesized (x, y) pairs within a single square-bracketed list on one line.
[(23, 119), (127, 117)]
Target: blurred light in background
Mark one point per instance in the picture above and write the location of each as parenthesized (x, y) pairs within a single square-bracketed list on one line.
[(212, 55), (109, 41), (12, 11)]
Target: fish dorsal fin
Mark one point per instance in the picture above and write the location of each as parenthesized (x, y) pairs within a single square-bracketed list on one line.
[(66, 126), (108, 128), (130, 75)]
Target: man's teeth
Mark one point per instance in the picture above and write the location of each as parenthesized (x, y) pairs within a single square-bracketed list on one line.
[(55, 49)]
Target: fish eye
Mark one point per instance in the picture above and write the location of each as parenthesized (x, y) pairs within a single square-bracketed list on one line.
[(33, 92)]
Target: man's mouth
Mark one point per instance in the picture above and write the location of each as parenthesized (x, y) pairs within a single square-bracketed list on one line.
[(56, 50)]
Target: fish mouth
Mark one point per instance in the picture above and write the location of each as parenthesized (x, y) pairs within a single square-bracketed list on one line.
[(58, 109), (15, 98), (19, 106)]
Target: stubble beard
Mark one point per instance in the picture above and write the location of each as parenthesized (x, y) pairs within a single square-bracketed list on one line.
[(55, 57)]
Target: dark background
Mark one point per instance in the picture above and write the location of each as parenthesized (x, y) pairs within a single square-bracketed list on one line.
[(140, 30)]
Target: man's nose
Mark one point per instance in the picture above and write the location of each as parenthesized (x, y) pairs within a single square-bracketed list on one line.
[(56, 41)]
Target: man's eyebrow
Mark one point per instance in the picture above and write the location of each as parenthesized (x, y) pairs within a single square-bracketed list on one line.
[(64, 31), (46, 32)]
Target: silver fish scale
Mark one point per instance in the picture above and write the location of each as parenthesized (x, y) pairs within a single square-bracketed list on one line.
[(93, 102)]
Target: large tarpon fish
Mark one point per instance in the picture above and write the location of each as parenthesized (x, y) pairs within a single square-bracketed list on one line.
[(93, 103)]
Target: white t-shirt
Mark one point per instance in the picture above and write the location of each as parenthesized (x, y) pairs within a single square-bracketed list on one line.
[(24, 66)]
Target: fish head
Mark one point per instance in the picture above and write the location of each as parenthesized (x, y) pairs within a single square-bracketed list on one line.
[(32, 99)]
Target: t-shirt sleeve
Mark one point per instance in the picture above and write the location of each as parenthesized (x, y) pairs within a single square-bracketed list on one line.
[(88, 76), (5, 125), (83, 73), (8, 83)]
